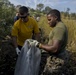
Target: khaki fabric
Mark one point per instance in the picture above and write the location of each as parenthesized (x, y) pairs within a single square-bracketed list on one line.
[(59, 33)]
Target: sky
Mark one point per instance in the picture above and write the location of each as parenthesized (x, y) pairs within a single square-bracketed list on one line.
[(61, 5)]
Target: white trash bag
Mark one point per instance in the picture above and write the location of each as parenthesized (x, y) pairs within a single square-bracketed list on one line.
[(28, 61)]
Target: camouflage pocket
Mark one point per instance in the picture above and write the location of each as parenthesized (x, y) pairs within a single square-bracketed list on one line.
[(53, 64)]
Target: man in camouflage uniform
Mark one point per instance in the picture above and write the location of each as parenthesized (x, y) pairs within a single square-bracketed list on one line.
[(54, 54)]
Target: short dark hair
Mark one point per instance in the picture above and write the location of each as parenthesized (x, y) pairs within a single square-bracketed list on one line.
[(23, 9), (55, 12)]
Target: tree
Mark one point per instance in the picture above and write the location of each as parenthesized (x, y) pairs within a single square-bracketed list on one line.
[(6, 16), (68, 9), (67, 12), (32, 10), (47, 9), (40, 6)]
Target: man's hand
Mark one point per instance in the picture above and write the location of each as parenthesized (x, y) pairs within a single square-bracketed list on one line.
[(33, 42), (17, 51), (36, 43)]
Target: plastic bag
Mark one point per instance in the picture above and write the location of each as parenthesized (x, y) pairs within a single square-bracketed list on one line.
[(28, 61)]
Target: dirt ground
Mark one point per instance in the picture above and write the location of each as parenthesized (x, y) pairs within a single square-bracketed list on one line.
[(8, 59)]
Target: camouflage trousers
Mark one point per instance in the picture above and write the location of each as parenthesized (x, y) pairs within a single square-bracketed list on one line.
[(53, 65)]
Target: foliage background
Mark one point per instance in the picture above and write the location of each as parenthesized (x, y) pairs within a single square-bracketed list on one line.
[(7, 52)]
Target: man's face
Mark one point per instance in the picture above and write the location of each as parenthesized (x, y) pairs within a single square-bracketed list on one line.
[(51, 20), (24, 17)]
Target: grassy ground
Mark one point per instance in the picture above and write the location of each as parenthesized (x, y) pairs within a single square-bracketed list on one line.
[(8, 58)]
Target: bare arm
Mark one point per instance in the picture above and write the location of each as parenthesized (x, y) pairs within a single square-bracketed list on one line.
[(51, 48)]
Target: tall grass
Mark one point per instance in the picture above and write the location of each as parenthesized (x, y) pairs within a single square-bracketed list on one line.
[(71, 26), (43, 24)]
